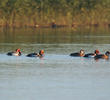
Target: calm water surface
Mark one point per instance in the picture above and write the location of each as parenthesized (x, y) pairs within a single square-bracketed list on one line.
[(57, 76)]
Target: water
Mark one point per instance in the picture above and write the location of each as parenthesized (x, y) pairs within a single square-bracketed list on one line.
[(57, 76)]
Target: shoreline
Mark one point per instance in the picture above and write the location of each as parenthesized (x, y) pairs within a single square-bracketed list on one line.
[(57, 25)]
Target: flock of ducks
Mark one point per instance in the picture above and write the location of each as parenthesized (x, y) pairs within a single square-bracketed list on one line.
[(96, 55), (17, 52)]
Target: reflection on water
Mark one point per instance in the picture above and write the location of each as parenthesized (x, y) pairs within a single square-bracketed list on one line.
[(57, 76), (50, 36)]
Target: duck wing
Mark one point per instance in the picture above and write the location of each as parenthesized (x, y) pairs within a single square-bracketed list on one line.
[(10, 53), (32, 55), (89, 55), (75, 54), (99, 56)]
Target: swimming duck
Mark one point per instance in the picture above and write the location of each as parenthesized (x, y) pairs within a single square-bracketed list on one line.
[(81, 53), (90, 55), (40, 54), (102, 56), (17, 52)]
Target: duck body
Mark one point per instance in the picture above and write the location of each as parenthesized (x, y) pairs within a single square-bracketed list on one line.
[(10, 53), (92, 55), (40, 54), (13, 54), (32, 55), (78, 54), (75, 54), (102, 56), (89, 55), (17, 52)]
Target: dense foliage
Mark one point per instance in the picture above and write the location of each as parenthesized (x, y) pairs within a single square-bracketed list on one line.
[(33, 12)]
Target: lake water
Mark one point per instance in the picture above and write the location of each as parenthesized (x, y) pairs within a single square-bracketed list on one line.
[(57, 76)]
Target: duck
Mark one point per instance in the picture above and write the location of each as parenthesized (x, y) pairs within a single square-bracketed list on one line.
[(17, 52), (92, 55), (102, 56), (40, 54), (81, 53)]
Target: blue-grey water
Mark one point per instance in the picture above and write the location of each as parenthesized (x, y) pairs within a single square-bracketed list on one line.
[(56, 76)]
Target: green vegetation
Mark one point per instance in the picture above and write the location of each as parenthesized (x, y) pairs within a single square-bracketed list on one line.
[(64, 12)]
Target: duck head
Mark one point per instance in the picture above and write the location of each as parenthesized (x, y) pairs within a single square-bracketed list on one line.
[(41, 52), (82, 53), (18, 50), (107, 53), (96, 52)]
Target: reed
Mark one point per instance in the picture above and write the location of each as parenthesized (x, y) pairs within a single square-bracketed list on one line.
[(42, 13)]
